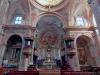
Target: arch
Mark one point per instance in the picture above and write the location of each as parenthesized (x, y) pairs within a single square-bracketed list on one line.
[(13, 51), (49, 30), (6, 38), (14, 36), (50, 22), (89, 37), (83, 45), (56, 14)]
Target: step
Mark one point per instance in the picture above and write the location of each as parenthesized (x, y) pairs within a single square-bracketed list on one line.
[(52, 72)]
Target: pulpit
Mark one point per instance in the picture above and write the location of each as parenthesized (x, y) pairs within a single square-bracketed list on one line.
[(27, 52), (69, 42)]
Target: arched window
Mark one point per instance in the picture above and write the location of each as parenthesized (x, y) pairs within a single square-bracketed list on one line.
[(18, 19), (80, 21)]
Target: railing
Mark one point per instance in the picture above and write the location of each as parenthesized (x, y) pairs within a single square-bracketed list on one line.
[(34, 71), (80, 73), (51, 73)]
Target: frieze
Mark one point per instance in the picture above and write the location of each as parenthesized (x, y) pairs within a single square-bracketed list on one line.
[(24, 30), (76, 33), (13, 27), (74, 28)]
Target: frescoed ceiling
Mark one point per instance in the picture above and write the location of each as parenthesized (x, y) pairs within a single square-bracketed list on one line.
[(49, 2)]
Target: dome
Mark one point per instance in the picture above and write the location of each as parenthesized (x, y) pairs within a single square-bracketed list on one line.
[(49, 2), (53, 5)]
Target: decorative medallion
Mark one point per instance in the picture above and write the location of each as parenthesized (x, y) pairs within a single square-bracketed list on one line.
[(49, 2), (49, 5)]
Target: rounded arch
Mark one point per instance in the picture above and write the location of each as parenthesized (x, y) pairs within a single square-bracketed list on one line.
[(13, 51), (6, 38), (14, 36), (49, 30), (79, 35), (56, 14), (84, 51), (50, 22)]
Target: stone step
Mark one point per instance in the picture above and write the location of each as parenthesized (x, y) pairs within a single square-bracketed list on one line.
[(52, 72)]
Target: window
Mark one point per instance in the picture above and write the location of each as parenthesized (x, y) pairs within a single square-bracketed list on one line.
[(18, 19), (80, 21)]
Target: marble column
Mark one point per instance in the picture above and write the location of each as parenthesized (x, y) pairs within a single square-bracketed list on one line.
[(26, 63), (27, 54), (2, 51)]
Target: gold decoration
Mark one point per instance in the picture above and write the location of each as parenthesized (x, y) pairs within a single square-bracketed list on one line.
[(49, 2)]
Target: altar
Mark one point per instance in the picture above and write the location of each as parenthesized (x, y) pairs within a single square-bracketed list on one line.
[(49, 42)]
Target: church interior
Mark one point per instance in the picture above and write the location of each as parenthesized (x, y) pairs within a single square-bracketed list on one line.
[(49, 35)]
